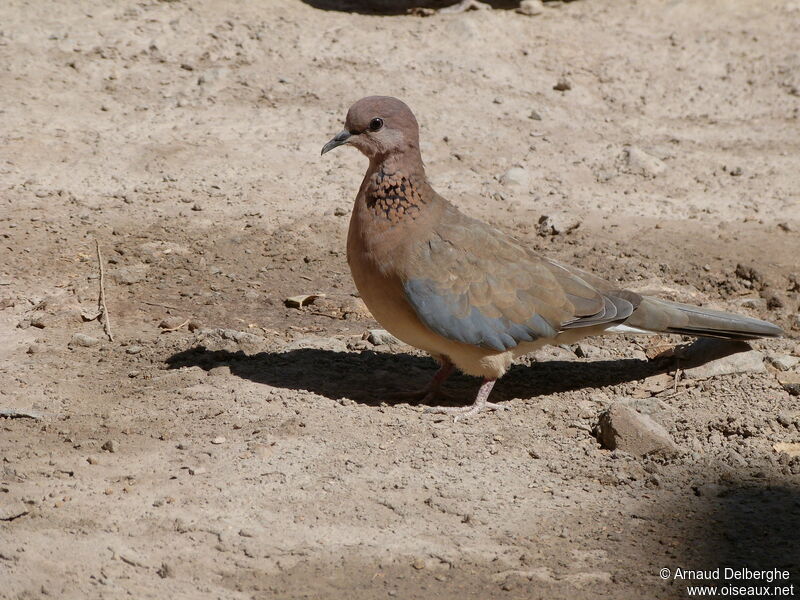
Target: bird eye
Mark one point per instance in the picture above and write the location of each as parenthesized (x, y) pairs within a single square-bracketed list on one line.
[(375, 124)]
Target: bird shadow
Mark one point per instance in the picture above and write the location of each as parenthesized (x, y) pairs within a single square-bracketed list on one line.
[(371, 378), (396, 7)]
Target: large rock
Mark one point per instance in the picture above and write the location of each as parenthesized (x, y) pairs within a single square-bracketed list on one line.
[(622, 428)]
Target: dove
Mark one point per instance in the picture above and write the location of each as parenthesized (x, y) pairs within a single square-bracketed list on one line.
[(468, 294)]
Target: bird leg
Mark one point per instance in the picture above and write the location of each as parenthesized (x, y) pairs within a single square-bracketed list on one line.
[(480, 404), (464, 6), (432, 391)]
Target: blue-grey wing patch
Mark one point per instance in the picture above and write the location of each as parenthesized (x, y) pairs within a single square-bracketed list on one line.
[(453, 317)]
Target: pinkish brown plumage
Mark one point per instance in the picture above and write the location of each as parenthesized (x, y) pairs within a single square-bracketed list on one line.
[(466, 293)]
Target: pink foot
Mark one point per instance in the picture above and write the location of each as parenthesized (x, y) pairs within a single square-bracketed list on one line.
[(464, 412)]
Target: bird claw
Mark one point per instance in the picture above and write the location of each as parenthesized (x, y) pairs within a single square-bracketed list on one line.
[(464, 412)]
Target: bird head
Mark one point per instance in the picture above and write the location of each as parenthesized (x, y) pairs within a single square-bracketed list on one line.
[(378, 126)]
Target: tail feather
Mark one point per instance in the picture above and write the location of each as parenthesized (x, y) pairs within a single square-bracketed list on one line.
[(663, 316)]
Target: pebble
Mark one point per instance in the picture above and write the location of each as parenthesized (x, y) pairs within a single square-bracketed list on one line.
[(755, 303), (81, 339), (197, 470), (713, 358), (783, 362), (622, 428), (248, 533), (515, 176), (218, 440), (790, 382), (316, 343), (642, 163), (39, 321), (530, 8), (562, 85), (171, 322), (791, 449), (110, 446), (339, 212), (221, 371), (130, 275), (556, 224), (133, 349), (378, 337), (36, 348)]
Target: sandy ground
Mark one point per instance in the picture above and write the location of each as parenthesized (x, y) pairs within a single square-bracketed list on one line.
[(257, 456)]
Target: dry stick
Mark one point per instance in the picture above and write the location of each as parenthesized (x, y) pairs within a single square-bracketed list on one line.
[(166, 329), (101, 301)]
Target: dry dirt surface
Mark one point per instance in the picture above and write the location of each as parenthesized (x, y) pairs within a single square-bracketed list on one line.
[(224, 445)]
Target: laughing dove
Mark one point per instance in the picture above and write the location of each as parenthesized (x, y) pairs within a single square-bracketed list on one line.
[(466, 293)]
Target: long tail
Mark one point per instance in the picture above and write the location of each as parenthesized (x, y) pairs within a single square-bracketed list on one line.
[(663, 316)]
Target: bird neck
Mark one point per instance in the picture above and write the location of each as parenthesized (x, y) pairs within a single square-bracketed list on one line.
[(396, 188)]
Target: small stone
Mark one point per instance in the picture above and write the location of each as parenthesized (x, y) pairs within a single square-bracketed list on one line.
[(36, 348), (418, 564), (563, 85), (39, 321), (584, 350), (165, 570), (81, 339), (194, 325), (133, 349), (790, 382), (786, 418), (218, 440), (92, 460), (130, 274), (515, 176), (530, 8), (783, 362), (110, 446), (339, 212), (622, 428), (379, 337), (197, 207), (708, 357), (708, 490), (248, 533), (791, 449), (535, 116), (556, 224), (316, 343), (171, 322), (221, 371), (197, 470), (641, 163), (754, 303)]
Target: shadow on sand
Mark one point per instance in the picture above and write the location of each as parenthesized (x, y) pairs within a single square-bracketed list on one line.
[(395, 7)]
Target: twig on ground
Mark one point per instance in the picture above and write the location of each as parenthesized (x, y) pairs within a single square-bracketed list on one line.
[(166, 329), (101, 300)]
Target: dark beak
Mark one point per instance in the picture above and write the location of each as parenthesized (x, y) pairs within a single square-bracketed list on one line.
[(339, 139)]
